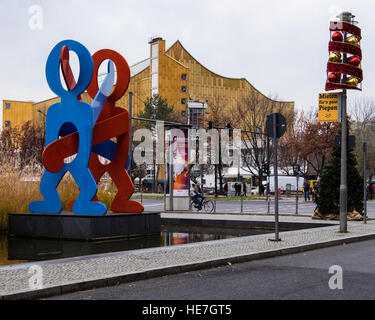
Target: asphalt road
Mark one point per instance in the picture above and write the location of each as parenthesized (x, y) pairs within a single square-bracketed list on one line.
[(286, 206), (299, 276)]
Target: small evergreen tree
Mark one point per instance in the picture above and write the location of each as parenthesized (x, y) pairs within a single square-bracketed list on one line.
[(157, 108), (328, 198)]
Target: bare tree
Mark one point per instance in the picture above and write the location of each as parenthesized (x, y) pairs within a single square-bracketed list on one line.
[(220, 117), (251, 116), (310, 144), (362, 114)]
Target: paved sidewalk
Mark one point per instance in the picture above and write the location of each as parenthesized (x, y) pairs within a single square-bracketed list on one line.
[(80, 273)]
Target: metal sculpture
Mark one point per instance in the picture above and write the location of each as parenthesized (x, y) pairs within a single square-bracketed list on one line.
[(87, 135)]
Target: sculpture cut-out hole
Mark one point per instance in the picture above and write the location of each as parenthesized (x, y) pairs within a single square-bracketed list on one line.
[(103, 71), (106, 190)]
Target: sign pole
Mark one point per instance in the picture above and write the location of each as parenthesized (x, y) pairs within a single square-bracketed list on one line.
[(276, 128), (344, 153), (268, 175), (297, 191), (343, 184), (364, 183), (276, 179)]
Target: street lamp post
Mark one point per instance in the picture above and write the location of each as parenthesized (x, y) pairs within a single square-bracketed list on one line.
[(344, 72), (344, 17)]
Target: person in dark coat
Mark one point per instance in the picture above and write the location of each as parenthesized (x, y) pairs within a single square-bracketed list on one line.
[(226, 189), (261, 189), (239, 189), (370, 191), (306, 190)]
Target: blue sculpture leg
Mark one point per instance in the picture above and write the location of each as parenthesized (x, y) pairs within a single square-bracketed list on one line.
[(86, 183), (52, 201)]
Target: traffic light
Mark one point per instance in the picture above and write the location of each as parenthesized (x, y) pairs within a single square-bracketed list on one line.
[(297, 170), (266, 169)]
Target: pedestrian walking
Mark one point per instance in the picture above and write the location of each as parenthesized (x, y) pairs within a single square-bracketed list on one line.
[(237, 188), (315, 190), (306, 190), (371, 191), (244, 189), (261, 189), (226, 189)]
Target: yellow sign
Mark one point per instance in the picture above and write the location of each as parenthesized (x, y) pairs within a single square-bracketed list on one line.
[(329, 107)]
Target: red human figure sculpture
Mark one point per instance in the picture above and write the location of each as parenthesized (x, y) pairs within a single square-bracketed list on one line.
[(116, 168)]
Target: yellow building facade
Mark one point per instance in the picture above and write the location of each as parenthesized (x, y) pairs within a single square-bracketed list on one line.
[(174, 74)]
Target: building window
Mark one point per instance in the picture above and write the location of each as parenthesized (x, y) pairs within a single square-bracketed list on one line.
[(183, 89), (6, 124), (183, 101), (184, 76), (7, 105), (196, 117)]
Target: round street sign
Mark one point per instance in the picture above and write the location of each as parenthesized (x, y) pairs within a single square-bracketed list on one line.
[(280, 125)]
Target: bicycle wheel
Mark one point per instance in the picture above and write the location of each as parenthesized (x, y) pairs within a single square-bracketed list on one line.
[(192, 205), (208, 206)]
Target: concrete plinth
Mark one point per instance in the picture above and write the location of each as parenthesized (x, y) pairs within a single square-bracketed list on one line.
[(179, 203), (78, 227)]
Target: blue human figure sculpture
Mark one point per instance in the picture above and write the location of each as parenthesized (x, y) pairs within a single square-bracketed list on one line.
[(70, 111)]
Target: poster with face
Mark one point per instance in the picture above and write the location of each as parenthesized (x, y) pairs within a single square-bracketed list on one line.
[(180, 147)]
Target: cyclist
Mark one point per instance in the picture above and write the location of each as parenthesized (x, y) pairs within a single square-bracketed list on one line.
[(198, 196)]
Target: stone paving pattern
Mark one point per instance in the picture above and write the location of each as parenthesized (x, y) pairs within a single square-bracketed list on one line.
[(15, 279)]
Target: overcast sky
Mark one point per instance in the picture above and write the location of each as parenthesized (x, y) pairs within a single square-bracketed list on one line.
[(281, 47)]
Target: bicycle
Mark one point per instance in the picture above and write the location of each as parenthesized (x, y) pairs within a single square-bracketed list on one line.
[(207, 205)]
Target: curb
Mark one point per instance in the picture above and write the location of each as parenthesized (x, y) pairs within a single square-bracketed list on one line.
[(154, 273)]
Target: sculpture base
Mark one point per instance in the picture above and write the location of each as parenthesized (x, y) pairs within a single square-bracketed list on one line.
[(67, 225)]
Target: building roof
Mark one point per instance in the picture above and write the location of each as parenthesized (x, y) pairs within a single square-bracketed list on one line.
[(215, 74)]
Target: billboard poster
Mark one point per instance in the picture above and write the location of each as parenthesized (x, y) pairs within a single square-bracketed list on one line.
[(180, 147)]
